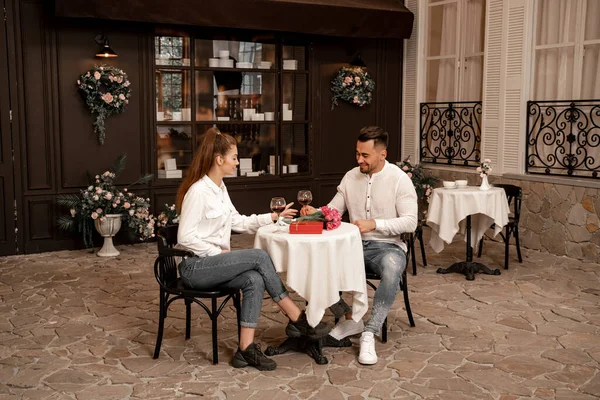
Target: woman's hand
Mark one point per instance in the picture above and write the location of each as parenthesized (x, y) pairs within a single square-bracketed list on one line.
[(287, 213), (307, 210)]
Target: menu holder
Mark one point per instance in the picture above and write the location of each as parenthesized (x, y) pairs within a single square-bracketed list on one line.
[(306, 227)]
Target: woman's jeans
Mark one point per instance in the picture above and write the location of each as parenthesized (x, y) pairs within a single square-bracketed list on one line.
[(252, 271), (389, 262)]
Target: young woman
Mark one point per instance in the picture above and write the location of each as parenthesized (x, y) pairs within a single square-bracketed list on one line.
[(206, 220)]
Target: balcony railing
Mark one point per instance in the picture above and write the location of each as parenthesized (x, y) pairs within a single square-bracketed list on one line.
[(563, 138), (451, 133)]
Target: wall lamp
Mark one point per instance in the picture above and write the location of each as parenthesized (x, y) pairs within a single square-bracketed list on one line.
[(106, 51), (357, 61)]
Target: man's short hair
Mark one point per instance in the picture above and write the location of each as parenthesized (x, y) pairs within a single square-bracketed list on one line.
[(374, 133)]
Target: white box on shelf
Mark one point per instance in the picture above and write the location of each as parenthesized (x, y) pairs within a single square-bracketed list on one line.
[(284, 169), (160, 115), (224, 54), (253, 173), (162, 174), (258, 117), (222, 118), (269, 116), (286, 106), (272, 160), (213, 62), (293, 168), (287, 115), (170, 164), (246, 163), (225, 63)]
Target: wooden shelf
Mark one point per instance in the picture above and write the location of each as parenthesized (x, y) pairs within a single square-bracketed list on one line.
[(236, 122)]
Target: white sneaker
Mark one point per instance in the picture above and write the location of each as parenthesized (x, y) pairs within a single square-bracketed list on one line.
[(347, 327), (367, 355)]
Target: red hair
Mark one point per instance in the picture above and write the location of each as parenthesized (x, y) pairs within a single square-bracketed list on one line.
[(212, 144)]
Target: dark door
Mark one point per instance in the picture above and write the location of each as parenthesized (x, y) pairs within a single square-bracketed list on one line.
[(7, 193)]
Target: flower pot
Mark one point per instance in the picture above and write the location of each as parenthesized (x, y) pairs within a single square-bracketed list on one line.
[(107, 229), (484, 183)]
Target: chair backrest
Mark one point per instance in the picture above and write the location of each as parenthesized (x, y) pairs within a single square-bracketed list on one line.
[(165, 266), (514, 194)]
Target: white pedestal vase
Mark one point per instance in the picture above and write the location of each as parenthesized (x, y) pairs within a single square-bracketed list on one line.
[(484, 183), (108, 228)]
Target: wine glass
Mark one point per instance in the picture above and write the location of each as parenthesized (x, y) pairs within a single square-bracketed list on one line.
[(304, 197), (278, 204)]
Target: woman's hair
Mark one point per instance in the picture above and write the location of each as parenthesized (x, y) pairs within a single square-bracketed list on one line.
[(212, 144)]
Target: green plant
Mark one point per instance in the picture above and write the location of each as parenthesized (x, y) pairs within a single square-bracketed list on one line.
[(102, 197)]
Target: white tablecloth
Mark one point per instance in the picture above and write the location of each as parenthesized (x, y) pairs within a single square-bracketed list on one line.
[(319, 266), (448, 209)]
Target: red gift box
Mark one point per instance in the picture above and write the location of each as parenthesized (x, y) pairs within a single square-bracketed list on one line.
[(306, 227)]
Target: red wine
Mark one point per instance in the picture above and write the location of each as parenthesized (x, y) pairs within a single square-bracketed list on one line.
[(304, 202), (278, 209)]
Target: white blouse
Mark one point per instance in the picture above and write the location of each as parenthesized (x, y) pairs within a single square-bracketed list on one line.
[(208, 217)]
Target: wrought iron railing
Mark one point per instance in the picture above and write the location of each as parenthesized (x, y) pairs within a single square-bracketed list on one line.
[(451, 133), (563, 138)]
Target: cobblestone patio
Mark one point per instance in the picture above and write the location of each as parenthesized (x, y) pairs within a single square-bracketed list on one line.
[(76, 326)]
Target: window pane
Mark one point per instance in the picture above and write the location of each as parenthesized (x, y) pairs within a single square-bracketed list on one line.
[(294, 147), (172, 50), (556, 21), (440, 80), (472, 83), (173, 95), (554, 74), (590, 80), (174, 141), (592, 27), (474, 28), (442, 30)]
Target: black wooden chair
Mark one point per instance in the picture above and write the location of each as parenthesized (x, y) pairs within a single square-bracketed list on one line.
[(417, 235), (514, 194), (165, 271)]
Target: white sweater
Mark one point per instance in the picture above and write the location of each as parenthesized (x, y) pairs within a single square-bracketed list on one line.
[(387, 196)]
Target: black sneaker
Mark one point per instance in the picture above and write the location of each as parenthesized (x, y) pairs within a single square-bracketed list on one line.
[(302, 328), (254, 357)]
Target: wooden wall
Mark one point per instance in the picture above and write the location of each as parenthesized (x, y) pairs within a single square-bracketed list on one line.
[(57, 144)]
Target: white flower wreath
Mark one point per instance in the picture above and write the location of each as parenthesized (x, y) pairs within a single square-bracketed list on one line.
[(106, 91)]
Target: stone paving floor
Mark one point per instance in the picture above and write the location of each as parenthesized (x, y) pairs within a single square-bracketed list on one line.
[(77, 326)]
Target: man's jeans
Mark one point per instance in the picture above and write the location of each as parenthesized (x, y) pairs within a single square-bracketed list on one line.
[(389, 262), (252, 271)]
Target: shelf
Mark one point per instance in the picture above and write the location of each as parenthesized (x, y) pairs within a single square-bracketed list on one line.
[(171, 122), (256, 70), (236, 122), (300, 121), (173, 67)]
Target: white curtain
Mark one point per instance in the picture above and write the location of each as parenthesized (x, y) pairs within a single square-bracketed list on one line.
[(447, 23), (590, 80), (473, 42), (554, 68)]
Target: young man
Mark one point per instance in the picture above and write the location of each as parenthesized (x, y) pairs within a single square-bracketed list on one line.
[(381, 201)]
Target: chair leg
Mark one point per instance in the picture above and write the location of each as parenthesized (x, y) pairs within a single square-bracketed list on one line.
[(384, 332), (161, 323), (516, 228), (420, 237), (480, 247), (213, 317), (506, 240), (188, 318), (407, 302), (411, 252)]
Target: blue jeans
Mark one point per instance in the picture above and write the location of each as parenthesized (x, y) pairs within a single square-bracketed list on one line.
[(252, 271), (389, 262)]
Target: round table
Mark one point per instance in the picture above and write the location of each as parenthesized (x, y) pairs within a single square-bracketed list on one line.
[(319, 266)]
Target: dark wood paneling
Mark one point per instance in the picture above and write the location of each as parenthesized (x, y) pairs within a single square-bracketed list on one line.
[(41, 218), (4, 214), (37, 95), (79, 148)]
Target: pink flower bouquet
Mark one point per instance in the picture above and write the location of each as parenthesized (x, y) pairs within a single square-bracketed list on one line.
[(329, 216)]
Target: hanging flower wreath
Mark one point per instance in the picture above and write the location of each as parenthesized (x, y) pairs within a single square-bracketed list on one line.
[(353, 85), (106, 91)]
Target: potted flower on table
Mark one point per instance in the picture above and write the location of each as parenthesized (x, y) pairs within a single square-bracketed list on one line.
[(104, 206)]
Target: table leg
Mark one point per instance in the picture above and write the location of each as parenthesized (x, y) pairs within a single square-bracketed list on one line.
[(314, 348), (468, 267)]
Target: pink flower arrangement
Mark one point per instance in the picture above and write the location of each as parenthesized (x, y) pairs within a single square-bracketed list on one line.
[(332, 217)]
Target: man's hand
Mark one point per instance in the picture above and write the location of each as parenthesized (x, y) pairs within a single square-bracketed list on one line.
[(307, 210), (365, 225)]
